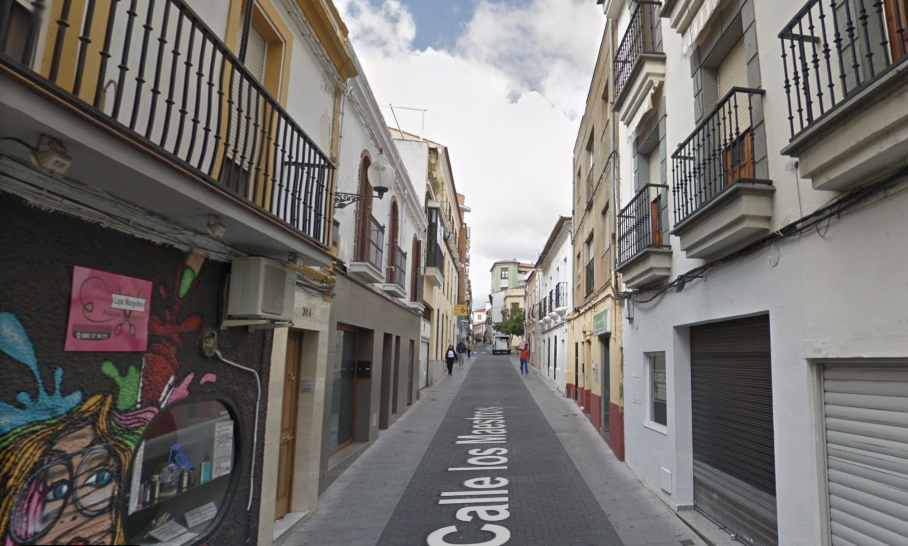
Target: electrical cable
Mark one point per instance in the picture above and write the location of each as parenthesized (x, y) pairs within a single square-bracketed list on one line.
[(834, 208), (255, 433), (20, 141)]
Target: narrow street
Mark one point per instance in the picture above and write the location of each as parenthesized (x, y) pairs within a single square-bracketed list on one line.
[(563, 485)]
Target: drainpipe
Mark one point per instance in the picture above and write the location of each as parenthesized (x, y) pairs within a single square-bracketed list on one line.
[(614, 156)]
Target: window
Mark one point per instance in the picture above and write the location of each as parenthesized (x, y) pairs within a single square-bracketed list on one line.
[(589, 150), (183, 468), (504, 273), (16, 32), (659, 406)]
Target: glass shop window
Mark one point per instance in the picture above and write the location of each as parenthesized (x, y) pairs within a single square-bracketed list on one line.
[(181, 475)]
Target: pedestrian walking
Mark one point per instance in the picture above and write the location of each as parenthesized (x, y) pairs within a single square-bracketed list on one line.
[(461, 349), (470, 348), (525, 358), (450, 357)]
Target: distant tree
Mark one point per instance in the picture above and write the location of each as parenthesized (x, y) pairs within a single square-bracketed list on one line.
[(512, 322)]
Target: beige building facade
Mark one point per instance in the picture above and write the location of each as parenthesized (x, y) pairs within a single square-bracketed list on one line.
[(595, 378)]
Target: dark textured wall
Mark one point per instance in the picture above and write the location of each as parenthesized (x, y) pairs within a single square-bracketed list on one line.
[(100, 390)]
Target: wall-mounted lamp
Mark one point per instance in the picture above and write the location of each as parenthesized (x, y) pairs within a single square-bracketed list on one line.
[(381, 172), (50, 154), (216, 226)]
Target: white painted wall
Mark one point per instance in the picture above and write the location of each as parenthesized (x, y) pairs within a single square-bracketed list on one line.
[(824, 302), (556, 268), (415, 158)]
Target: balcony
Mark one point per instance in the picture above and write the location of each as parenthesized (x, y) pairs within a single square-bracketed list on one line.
[(435, 263), (720, 204), (396, 276), (367, 264), (846, 70), (644, 252), (590, 276), (560, 300), (159, 81), (639, 64)]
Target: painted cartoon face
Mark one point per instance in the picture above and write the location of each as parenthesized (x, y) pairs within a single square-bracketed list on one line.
[(69, 498)]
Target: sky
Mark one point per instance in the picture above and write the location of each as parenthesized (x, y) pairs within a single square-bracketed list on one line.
[(504, 83)]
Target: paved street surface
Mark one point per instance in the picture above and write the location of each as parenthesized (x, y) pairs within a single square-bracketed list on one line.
[(564, 486)]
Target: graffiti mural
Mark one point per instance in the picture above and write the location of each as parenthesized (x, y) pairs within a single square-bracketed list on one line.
[(63, 454)]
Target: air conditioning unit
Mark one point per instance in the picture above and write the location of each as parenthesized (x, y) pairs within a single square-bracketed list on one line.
[(260, 289)]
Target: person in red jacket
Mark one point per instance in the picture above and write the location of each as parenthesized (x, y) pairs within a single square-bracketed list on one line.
[(525, 358)]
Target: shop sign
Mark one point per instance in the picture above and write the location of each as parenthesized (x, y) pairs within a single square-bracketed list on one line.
[(107, 312), (460, 311), (601, 323)]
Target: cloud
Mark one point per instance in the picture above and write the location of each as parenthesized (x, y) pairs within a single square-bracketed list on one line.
[(389, 29), (506, 100)]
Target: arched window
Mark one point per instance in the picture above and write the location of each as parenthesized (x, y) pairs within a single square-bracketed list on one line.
[(393, 238), (363, 211)]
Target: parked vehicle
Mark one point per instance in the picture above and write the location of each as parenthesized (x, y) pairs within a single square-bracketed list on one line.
[(501, 345)]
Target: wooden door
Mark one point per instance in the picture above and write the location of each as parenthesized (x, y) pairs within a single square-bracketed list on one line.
[(289, 410), (739, 163), (655, 224), (897, 24)]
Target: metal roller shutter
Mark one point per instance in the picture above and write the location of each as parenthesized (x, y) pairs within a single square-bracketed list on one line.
[(733, 73), (734, 453), (245, 96), (866, 421)]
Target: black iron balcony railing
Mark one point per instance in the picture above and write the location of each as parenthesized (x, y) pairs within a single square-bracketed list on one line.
[(156, 74), (560, 295), (397, 270), (717, 155), (417, 287), (640, 38), (833, 49), (435, 256), (551, 300), (640, 225), (590, 276), (374, 241)]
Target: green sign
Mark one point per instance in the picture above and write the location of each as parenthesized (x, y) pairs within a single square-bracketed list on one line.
[(601, 323)]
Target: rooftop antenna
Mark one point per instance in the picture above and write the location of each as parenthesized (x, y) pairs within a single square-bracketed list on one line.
[(423, 110)]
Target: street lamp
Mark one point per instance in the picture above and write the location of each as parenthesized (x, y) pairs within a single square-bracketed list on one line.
[(381, 172)]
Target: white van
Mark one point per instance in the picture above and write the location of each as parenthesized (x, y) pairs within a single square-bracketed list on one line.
[(501, 345)]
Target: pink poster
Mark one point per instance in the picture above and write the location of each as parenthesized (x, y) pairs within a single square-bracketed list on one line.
[(107, 312)]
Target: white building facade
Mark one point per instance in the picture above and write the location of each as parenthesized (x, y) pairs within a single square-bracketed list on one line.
[(555, 300), (759, 392)]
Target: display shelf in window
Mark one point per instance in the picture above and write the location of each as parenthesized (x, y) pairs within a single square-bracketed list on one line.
[(182, 473)]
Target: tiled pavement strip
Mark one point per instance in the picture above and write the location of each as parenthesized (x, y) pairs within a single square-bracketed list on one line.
[(390, 495)]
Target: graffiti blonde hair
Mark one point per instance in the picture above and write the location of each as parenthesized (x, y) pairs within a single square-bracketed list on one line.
[(22, 450)]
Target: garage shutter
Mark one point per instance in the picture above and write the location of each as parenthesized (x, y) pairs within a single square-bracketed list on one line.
[(734, 453), (866, 420)]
